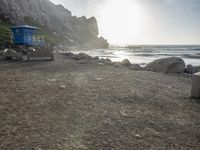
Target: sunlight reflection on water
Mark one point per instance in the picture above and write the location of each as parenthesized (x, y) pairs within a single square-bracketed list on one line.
[(145, 54)]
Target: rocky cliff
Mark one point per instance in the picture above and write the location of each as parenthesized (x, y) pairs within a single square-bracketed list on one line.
[(70, 30)]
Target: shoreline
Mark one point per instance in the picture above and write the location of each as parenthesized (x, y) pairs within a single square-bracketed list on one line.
[(186, 69), (144, 55), (82, 56)]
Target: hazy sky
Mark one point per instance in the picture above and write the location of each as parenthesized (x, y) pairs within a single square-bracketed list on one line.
[(142, 21)]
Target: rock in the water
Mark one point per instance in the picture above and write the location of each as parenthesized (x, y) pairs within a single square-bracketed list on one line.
[(81, 56), (96, 58), (135, 67), (191, 69), (70, 55), (106, 61), (125, 62), (167, 65)]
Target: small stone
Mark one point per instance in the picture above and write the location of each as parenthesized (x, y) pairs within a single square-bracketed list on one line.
[(52, 80), (137, 135), (101, 64), (97, 78), (62, 86)]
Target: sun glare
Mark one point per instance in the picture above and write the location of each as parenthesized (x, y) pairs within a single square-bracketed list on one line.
[(121, 21)]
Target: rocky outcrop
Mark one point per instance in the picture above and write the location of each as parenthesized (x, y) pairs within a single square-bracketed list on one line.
[(84, 58), (81, 56), (167, 65), (75, 31)]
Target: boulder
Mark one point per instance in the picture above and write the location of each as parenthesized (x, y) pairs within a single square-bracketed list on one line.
[(106, 61), (11, 54), (135, 67), (167, 65), (125, 62), (96, 58), (192, 69), (70, 55), (81, 56)]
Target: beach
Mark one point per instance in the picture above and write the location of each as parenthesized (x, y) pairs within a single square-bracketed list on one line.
[(68, 104)]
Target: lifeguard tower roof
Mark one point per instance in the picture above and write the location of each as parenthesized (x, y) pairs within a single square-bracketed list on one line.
[(25, 26)]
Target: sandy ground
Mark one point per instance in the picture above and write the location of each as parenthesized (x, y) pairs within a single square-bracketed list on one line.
[(64, 105)]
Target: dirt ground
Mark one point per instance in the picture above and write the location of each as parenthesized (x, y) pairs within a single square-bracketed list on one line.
[(64, 105)]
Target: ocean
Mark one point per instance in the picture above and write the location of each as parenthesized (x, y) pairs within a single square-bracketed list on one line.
[(146, 54)]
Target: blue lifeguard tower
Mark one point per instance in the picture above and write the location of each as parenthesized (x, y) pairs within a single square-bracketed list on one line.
[(26, 35), (28, 45)]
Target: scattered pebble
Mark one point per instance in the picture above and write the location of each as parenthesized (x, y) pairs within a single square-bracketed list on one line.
[(169, 87), (52, 80), (97, 78), (101, 64), (137, 135), (62, 86)]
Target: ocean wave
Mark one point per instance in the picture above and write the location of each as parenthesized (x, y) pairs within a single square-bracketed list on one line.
[(194, 49), (145, 55), (191, 56), (167, 55)]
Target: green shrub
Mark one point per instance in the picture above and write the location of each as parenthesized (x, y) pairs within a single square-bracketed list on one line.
[(5, 34)]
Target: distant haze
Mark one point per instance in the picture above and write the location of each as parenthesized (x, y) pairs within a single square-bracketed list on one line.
[(138, 22)]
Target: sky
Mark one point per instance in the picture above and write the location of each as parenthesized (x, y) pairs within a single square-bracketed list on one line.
[(129, 22)]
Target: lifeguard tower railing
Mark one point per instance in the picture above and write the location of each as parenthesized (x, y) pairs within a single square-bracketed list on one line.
[(34, 40)]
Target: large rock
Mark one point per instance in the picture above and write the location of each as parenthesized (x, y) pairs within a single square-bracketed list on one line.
[(74, 31), (167, 65)]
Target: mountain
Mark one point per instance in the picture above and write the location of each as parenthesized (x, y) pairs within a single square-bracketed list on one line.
[(55, 21)]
